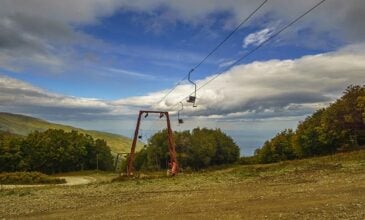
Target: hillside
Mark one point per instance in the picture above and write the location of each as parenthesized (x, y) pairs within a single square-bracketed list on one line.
[(331, 187), (23, 125)]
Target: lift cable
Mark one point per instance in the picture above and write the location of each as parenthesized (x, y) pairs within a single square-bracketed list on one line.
[(215, 49), (256, 48)]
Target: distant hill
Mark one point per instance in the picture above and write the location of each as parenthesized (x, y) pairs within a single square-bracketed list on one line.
[(23, 125)]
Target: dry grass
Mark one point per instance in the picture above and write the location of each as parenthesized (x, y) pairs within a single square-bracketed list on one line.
[(323, 188)]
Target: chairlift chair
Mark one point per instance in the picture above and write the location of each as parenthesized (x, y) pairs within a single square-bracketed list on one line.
[(140, 135), (192, 98)]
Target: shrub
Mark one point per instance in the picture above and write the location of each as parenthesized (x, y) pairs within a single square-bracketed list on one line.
[(28, 178)]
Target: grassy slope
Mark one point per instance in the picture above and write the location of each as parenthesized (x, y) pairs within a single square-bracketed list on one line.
[(23, 125), (331, 187)]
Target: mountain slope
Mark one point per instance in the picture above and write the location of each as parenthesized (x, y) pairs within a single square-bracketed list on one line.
[(23, 125)]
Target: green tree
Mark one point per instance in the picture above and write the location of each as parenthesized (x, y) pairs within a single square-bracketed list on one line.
[(203, 148), (227, 151), (340, 126), (11, 156), (279, 148), (59, 151), (197, 149)]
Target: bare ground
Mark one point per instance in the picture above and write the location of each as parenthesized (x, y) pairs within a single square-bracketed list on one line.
[(325, 188)]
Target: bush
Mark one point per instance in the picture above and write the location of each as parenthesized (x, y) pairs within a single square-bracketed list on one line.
[(25, 178), (248, 160)]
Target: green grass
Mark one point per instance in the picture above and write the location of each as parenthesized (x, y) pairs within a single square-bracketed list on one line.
[(337, 162), (23, 125)]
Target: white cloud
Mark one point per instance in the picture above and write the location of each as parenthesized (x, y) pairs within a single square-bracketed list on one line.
[(32, 29), (130, 73), (259, 90), (347, 22), (275, 88), (257, 37), (227, 63), (66, 11), (18, 96)]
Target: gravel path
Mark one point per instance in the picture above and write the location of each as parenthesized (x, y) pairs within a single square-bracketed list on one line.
[(78, 180)]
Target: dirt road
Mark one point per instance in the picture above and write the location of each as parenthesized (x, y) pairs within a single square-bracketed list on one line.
[(78, 180)]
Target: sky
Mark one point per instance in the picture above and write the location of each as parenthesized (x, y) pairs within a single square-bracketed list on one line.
[(95, 63)]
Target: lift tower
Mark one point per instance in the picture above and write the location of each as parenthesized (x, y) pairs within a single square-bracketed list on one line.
[(171, 144)]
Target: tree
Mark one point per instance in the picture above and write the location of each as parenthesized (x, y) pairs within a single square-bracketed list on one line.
[(54, 151), (203, 148), (105, 159), (340, 126), (197, 149), (279, 148), (227, 150), (11, 156)]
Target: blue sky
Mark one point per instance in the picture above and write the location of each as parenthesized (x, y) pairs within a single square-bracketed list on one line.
[(101, 61), (153, 55)]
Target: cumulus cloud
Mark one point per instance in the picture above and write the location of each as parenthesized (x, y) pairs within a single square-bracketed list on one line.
[(20, 97), (34, 29), (275, 88), (255, 91), (347, 21), (42, 34)]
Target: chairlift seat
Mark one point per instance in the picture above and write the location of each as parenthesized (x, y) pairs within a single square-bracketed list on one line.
[(191, 99), (181, 121)]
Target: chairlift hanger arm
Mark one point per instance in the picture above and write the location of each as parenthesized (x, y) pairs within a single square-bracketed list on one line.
[(192, 99), (192, 82), (180, 121)]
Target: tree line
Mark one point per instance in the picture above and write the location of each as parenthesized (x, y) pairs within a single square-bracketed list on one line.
[(339, 127), (195, 150), (53, 151)]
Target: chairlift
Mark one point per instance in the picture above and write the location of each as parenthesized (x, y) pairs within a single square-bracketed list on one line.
[(181, 121), (192, 98)]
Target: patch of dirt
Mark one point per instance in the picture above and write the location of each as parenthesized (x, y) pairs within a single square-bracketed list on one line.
[(78, 180)]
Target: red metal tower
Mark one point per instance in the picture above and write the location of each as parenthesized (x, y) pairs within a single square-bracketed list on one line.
[(173, 160)]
